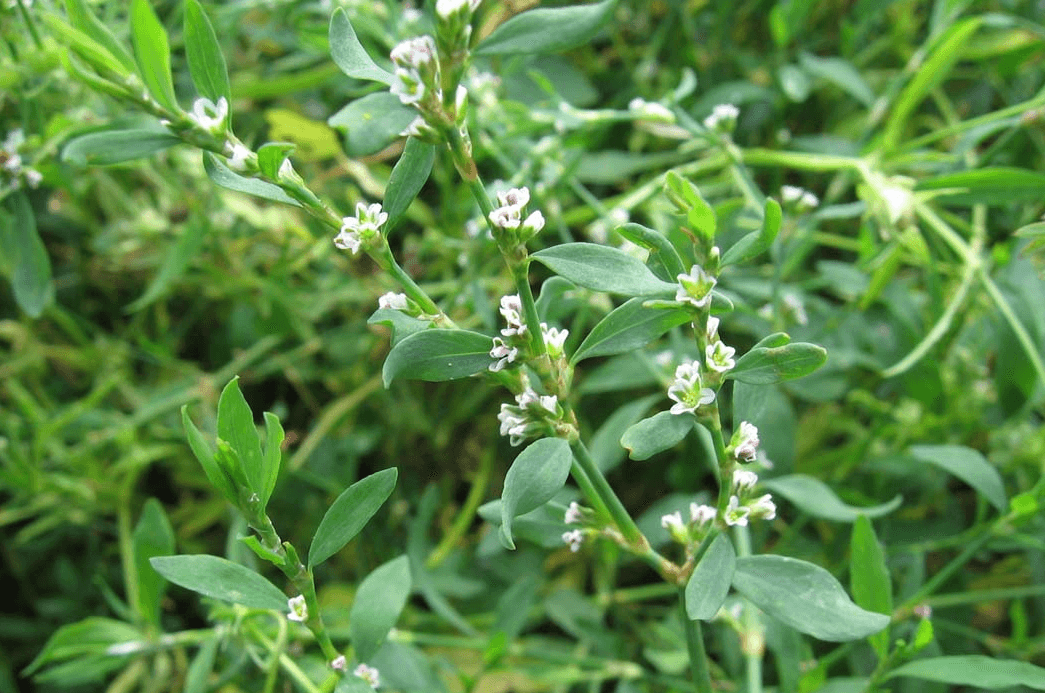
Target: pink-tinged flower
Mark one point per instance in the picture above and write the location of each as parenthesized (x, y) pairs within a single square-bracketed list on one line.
[(743, 481), (763, 508), (700, 515), (503, 353), (392, 301), (368, 674), (745, 442), (574, 539)]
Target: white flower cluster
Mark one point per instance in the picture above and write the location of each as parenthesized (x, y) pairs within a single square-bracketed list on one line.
[(529, 416), (743, 505), (695, 287), (506, 348), (573, 539), (369, 674), (210, 116), (298, 609), (799, 198), (360, 230), (417, 67), (11, 161), (700, 517), (509, 215), (688, 390), (723, 118)]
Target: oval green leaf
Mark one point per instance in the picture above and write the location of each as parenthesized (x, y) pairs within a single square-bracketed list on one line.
[(658, 433), (349, 54), (108, 147), (816, 498), (31, 279), (153, 53), (547, 30), (221, 579), (768, 365), (227, 178), (602, 268), (535, 476), (628, 327), (977, 671), (271, 156), (709, 583), (206, 62), (437, 355), (372, 122), (805, 597), (968, 465), (350, 513), (273, 456), (407, 179), (378, 603)]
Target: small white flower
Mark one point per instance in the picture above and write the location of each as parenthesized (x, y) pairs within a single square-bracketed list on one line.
[(736, 514), (392, 301), (208, 115), (745, 442), (573, 514), (574, 539), (407, 85), (362, 228), (535, 222), (763, 507), (672, 522), (503, 353), (15, 139), (414, 52), (447, 8), (514, 197), (237, 155), (743, 481), (723, 117), (695, 287), (712, 331), (554, 339), (688, 391), (719, 357), (506, 217), (800, 198), (369, 674), (701, 514), (511, 309), (32, 176), (286, 169), (13, 163), (339, 663), (298, 609)]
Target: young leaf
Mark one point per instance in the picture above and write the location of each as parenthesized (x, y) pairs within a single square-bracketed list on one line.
[(535, 476), (206, 62), (605, 447), (437, 355), (709, 583), (602, 268), (226, 178), (816, 498), (968, 465), (869, 578), (756, 242), (152, 50), (152, 537), (207, 457), (273, 456), (408, 176), (805, 597), (687, 199), (767, 365), (372, 122), (221, 579), (350, 513), (271, 157), (975, 671), (628, 327), (547, 30), (349, 54), (236, 426), (656, 434), (658, 245), (83, 19), (31, 279), (379, 600), (108, 147)]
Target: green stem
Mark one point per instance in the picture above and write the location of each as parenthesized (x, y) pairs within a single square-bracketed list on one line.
[(753, 639), (625, 524), (1001, 114), (279, 647), (948, 570), (464, 518), (383, 256), (698, 659), (1024, 338), (799, 160), (29, 23)]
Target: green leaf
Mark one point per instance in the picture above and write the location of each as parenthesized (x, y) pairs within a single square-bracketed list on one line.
[(968, 465), (108, 147), (628, 327), (437, 355), (226, 178), (709, 583), (401, 324), (764, 365), (198, 675), (407, 179), (349, 53), (869, 578), (152, 537), (658, 245), (794, 82), (658, 433), (687, 199), (31, 277), (271, 156), (605, 447), (976, 671), (547, 30), (84, 20), (93, 635), (805, 597), (816, 498), (602, 268), (350, 513), (999, 185), (756, 242), (221, 579), (91, 51), (535, 476), (841, 73), (373, 122), (270, 463), (206, 62), (206, 455), (152, 50), (236, 426), (378, 603)]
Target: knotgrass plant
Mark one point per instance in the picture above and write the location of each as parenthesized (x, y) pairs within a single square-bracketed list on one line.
[(692, 271)]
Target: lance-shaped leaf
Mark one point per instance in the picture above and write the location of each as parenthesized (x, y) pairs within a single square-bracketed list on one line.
[(379, 601), (226, 178), (153, 536), (81, 17), (206, 62), (437, 355), (236, 427), (31, 279), (805, 597), (658, 433), (774, 360), (84, 45), (108, 147), (207, 457), (547, 30), (535, 476), (372, 122), (602, 268), (756, 242), (869, 578), (272, 458), (815, 497), (975, 671), (350, 513), (709, 583), (628, 327), (658, 245), (153, 53), (221, 579), (968, 465), (349, 54), (408, 176)]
